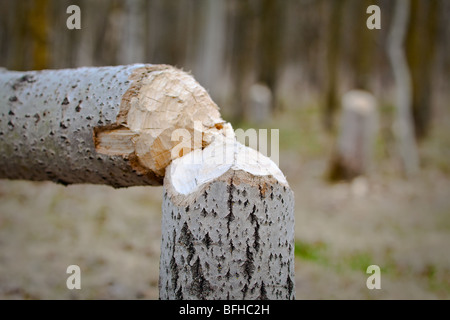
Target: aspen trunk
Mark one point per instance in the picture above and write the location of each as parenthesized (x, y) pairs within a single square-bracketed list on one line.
[(107, 125), (404, 124), (227, 231)]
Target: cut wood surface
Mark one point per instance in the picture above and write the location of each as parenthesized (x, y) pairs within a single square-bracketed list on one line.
[(104, 125)]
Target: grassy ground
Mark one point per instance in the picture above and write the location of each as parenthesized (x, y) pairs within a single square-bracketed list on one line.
[(113, 235)]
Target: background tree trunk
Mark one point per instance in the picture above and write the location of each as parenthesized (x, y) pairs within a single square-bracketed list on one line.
[(403, 125), (243, 46), (361, 44), (211, 46), (331, 100), (421, 47), (270, 46)]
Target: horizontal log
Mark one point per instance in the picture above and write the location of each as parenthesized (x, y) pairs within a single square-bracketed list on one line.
[(100, 125)]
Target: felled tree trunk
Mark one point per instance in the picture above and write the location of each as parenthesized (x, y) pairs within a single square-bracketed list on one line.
[(107, 125), (227, 226), (353, 153)]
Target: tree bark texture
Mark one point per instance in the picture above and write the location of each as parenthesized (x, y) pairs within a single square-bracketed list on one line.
[(230, 238), (106, 125)]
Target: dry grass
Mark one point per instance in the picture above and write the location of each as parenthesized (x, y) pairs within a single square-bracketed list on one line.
[(113, 235)]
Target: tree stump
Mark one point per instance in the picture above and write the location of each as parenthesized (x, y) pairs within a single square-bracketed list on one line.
[(228, 228), (353, 153), (100, 125)]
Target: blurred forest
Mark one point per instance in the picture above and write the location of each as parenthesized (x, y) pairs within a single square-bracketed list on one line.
[(303, 49), (302, 55)]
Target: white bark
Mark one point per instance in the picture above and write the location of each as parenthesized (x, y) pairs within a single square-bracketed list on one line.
[(231, 234), (403, 125), (108, 125)]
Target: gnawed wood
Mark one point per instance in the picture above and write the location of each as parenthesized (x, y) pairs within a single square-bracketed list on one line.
[(107, 125)]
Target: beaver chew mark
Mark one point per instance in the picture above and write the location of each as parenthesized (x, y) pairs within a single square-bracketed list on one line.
[(160, 100)]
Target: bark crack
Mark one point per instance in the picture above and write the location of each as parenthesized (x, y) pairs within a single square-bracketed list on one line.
[(254, 220), (249, 266), (290, 286), (244, 291), (187, 239), (207, 241), (263, 293), (173, 265), (230, 217), (200, 287)]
